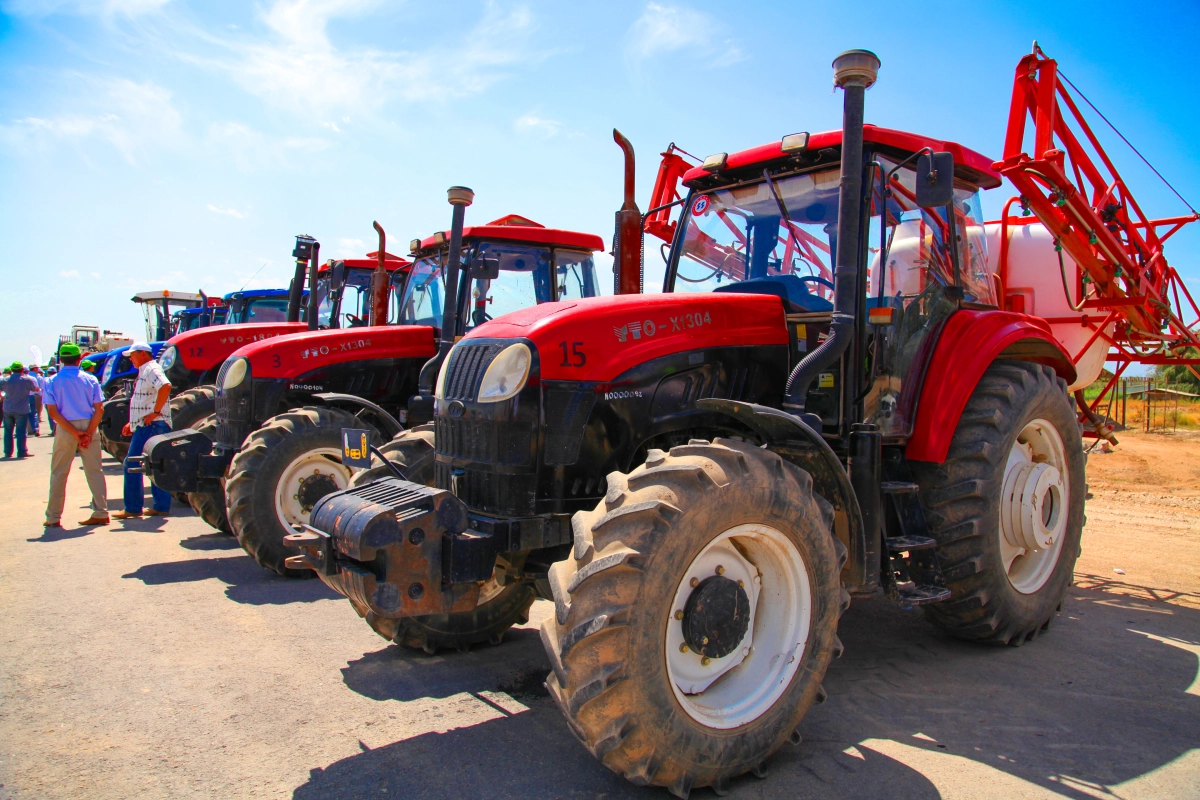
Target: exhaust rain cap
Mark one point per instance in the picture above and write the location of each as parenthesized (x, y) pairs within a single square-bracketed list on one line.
[(460, 196), (856, 68)]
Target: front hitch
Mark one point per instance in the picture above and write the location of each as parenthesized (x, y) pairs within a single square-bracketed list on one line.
[(397, 548), (184, 461)]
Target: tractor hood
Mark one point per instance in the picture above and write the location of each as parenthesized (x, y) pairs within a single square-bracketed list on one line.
[(204, 348), (598, 338), (300, 353)]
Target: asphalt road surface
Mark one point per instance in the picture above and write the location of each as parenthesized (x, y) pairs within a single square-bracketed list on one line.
[(155, 659)]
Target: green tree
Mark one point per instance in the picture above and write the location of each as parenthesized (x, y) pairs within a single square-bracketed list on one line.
[(1179, 374)]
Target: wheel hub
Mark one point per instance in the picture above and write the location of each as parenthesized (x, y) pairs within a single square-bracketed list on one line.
[(313, 488), (1034, 501), (716, 617), (1033, 495)]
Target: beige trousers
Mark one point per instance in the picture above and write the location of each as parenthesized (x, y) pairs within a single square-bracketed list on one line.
[(65, 446)]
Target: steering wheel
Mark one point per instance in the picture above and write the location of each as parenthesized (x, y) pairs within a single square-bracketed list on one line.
[(817, 279)]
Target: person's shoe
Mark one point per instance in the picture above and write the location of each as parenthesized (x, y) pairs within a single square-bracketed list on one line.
[(154, 512), (94, 520), (25, 455), (51, 524), (126, 515)]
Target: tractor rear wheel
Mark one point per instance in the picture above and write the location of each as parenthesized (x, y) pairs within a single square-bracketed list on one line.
[(189, 409), (696, 615), (118, 448), (1007, 506), (280, 473), (210, 506), (411, 451)]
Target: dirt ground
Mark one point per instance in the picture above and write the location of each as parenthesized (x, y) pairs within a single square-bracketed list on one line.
[(155, 659)]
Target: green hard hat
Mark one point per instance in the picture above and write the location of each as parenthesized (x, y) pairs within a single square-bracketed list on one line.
[(68, 350), (17, 366)]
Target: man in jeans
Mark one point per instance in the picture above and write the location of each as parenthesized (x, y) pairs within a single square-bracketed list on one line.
[(19, 389), (149, 415), (74, 401), (35, 402)]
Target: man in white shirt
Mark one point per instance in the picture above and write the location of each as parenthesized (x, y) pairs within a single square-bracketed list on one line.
[(149, 415)]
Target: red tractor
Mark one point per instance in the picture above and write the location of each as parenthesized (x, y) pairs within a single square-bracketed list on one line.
[(701, 480)]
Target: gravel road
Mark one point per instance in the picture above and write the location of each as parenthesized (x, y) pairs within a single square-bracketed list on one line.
[(155, 659)]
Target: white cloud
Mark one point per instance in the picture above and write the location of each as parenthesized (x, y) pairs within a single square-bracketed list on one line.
[(132, 117), (531, 123), (663, 29), (233, 212), (299, 69), (354, 248), (69, 273), (95, 275)]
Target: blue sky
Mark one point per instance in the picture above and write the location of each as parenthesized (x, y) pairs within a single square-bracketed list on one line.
[(148, 144)]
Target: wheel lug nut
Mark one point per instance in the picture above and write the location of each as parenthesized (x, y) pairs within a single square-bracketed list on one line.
[(705, 661), (683, 648), (704, 640), (694, 582), (678, 615), (720, 570), (742, 584)]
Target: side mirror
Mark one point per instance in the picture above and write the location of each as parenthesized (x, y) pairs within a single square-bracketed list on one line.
[(935, 180), (485, 269), (337, 275)]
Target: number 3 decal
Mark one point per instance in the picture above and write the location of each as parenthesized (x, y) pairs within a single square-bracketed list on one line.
[(276, 357), (574, 357)]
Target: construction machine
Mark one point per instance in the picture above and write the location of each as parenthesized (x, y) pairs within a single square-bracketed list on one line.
[(281, 404), (853, 385)]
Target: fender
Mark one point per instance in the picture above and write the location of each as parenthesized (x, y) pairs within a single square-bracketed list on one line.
[(599, 338), (203, 349), (390, 425), (296, 354), (791, 438), (969, 342)]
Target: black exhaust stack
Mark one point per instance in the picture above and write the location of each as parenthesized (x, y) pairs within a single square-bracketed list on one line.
[(854, 71), (303, 253), (420, 406), (314, 302)]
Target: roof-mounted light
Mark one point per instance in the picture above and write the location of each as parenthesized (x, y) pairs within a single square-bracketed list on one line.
[(414, 245), (795, 143), (440, 237), (715, 162)]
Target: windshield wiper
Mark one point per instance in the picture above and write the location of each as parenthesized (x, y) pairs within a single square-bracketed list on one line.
[(786, 218)]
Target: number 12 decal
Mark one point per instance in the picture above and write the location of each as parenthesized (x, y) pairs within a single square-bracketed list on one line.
[(574, 357)]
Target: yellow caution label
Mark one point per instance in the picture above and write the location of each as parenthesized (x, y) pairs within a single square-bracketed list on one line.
[(801, 331), (825, 381)]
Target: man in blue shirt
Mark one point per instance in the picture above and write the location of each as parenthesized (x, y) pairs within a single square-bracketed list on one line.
[(74, 401), (18, 389)]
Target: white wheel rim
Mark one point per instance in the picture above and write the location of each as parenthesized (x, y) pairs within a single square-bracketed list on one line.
[(1033, 506), (322, 464), (743, 685)]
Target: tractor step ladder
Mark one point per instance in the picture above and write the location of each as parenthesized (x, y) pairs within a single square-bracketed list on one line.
[(912, 575)]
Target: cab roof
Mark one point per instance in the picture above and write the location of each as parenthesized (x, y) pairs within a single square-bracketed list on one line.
[(253, 294), (515, 228), (969, 165), (370, 261), (155, 296)]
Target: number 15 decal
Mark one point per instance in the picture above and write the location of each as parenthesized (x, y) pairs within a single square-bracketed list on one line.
[(574, 357)]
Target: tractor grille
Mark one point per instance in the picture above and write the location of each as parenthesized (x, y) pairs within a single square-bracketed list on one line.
[(465, 371), (567, 414), (234, 410), (483, 440), (491, 492)]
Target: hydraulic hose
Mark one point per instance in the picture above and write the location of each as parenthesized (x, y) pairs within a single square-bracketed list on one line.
[(854, 71)]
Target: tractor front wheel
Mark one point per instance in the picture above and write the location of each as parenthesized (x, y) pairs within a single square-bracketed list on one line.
[(280, 473), (210, 506), (411, 451), (189, 409), (1007, 506), (697, 614)]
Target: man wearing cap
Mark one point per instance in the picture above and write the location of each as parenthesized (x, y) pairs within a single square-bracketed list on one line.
[(74, 401), (18, 389), (88, 366), (50, 373), (149, 415), (35, 401)]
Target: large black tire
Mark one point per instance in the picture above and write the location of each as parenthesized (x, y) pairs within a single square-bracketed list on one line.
[(962, 501), (114, 447), (613, 598), (411, 450), (210, 506), (189, 409), (257, 469)]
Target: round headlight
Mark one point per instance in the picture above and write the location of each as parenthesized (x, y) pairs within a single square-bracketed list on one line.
[(506, 375), (166, 359), (235, 374)]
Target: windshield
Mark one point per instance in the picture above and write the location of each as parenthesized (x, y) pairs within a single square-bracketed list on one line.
[(258, 309), (354, 307), (524, 280), (786, 235), (575, 273)]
